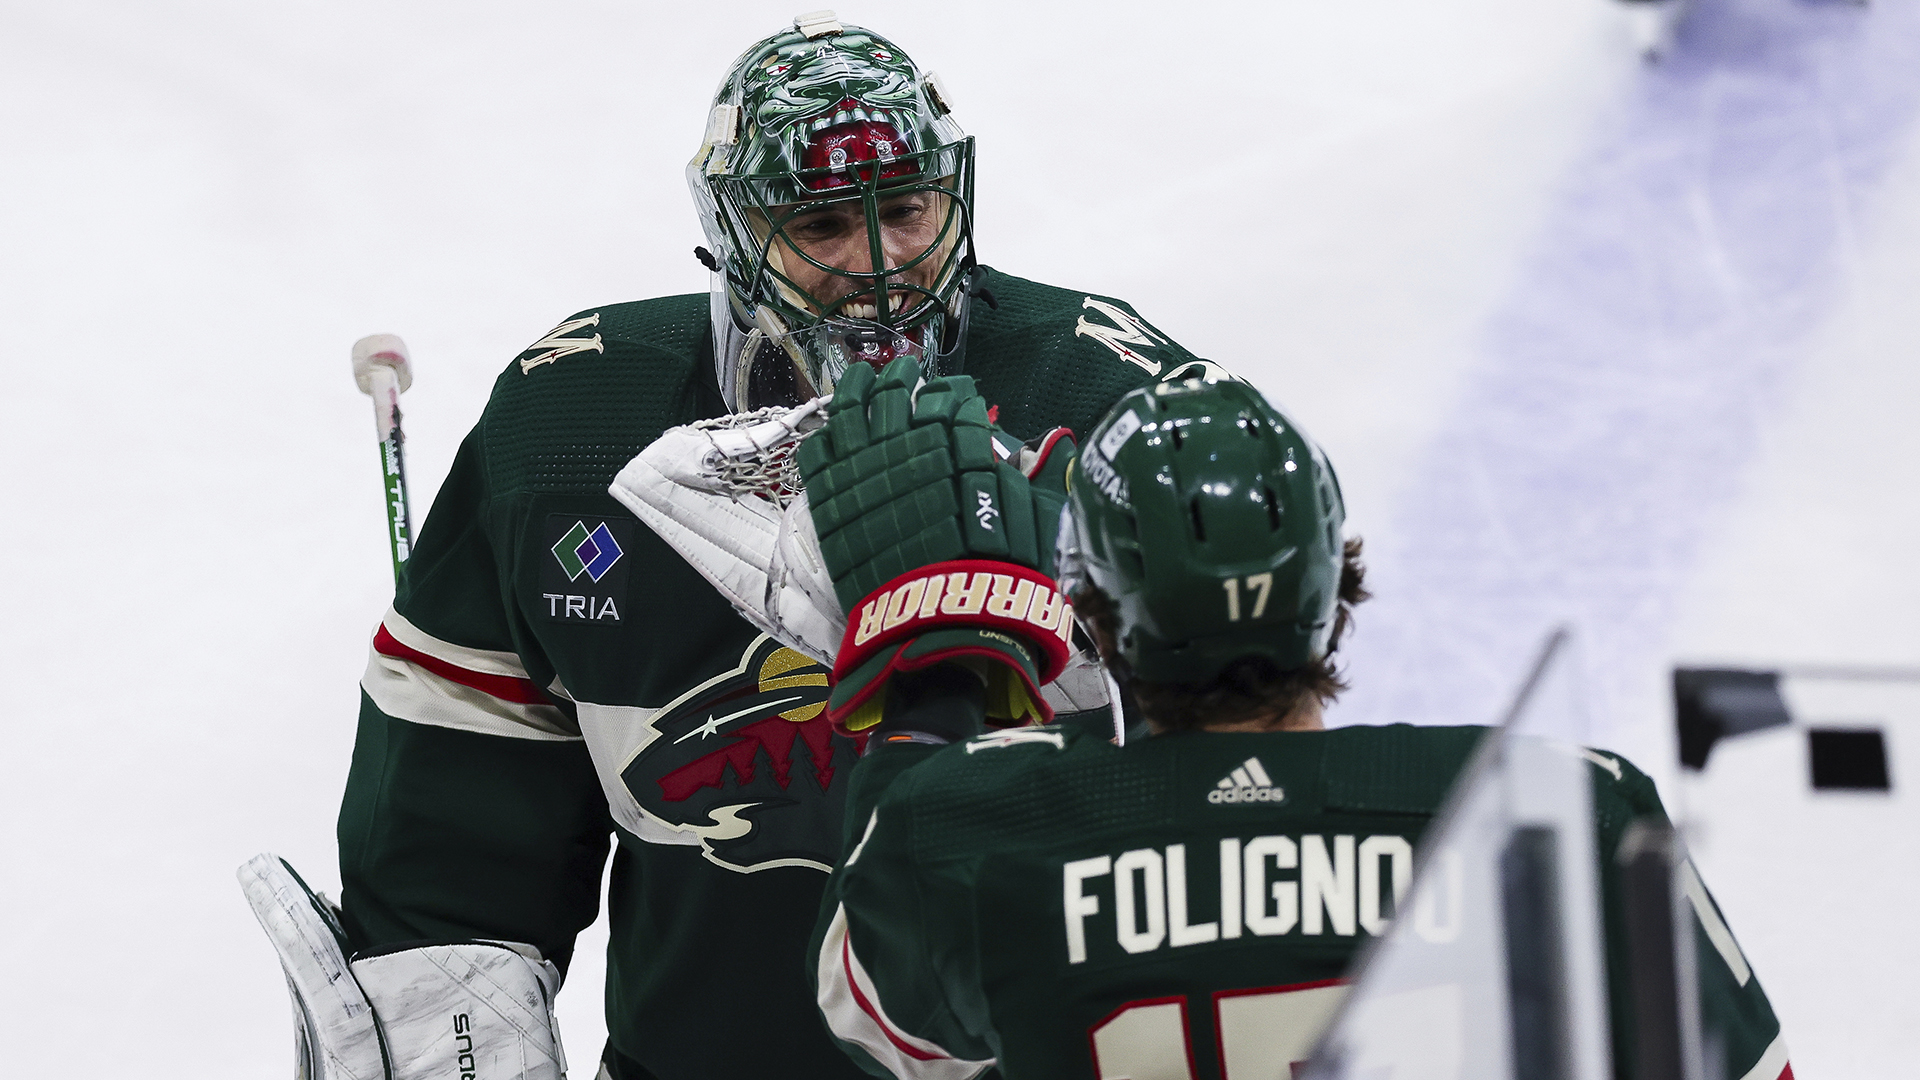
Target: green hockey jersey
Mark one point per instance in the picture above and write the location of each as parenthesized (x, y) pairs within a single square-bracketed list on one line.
[(551, 674), (1041, 899)]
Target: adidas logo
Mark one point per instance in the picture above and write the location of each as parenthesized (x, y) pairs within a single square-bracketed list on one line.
[(1247, 783)]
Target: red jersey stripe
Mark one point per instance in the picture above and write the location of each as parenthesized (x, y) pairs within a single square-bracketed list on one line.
[(846, 958), (504, 687)]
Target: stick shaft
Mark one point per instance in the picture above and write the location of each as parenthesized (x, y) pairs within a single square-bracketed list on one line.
[(385, 388)]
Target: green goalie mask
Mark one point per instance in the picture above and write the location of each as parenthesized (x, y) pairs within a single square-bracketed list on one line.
[(835, 190), (1212, 523)]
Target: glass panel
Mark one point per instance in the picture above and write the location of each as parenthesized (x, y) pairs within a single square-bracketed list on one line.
[(1496, 972)]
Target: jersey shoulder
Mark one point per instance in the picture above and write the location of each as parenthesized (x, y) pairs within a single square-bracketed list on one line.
[(1621, 795), (1047, 356), (577, 404), (1395, 768), (1014, 789)]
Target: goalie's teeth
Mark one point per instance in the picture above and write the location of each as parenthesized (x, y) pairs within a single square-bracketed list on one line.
[(896, 301)]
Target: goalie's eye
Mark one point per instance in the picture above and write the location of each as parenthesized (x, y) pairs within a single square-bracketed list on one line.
[(821, 226)]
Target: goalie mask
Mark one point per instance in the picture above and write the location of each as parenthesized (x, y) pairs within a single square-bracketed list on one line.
[(835, 191), (1213, 524)]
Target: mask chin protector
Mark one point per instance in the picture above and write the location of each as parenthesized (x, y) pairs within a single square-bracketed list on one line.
[(786, 367)]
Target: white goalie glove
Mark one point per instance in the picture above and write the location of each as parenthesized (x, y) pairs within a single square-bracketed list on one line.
[(727, 495), (476, 1009)]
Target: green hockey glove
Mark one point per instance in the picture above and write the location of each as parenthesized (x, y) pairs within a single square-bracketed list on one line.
[(939, 547)]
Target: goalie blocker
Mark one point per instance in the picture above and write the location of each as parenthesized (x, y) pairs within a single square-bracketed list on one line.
[(472, 1010)]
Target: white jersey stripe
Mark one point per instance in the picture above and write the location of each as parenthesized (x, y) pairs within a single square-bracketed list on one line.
[(1773, 1063), (1713, 924), (854, 1014), (484, 661), (407, 691)]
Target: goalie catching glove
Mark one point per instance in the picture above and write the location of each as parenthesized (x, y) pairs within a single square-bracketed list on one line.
[(478, 1009), (939, 549), (725, 494)]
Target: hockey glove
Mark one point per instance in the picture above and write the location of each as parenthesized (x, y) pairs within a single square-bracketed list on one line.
[(940, 550), (480, 1009), (724, 494)]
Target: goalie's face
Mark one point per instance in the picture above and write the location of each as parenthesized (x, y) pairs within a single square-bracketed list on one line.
[(837, 261), (878, 258), (835, 190)]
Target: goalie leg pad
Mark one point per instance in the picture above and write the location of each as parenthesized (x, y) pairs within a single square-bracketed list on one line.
[(476, 1010), (481, 1010), (336, 1036)]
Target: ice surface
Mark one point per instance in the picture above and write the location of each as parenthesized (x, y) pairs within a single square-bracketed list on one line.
[(1576, 332), (1627, 380)]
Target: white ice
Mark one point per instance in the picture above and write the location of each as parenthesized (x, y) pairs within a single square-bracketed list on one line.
[(1594, 343)]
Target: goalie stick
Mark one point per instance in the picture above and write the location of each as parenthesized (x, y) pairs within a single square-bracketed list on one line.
[(383, 370)]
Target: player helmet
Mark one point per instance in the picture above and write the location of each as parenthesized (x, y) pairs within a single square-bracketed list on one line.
[(1212, 523), (820, 129)]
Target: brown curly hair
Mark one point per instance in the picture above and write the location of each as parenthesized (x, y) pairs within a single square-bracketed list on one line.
[(1248, 688)]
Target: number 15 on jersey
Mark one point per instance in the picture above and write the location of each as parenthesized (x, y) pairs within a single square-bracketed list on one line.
[(1260, 1033)]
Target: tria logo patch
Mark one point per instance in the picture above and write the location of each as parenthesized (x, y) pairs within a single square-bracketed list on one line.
[(592, 553), (586, 580), (1247, 783)]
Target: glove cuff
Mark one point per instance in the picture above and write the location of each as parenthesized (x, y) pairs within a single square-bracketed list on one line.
[(860, 702), (978, 593)]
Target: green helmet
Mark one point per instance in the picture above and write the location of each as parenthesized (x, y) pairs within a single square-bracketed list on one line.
[(835, 124), (1213, 524)]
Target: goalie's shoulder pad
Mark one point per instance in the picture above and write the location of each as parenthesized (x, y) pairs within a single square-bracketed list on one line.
[(1049, 356), (1085, 323), (663, 330), (580, 401)]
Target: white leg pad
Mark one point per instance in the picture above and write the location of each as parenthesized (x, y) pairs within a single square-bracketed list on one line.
[(475, 1010), (335, 1035), (482, 1010)]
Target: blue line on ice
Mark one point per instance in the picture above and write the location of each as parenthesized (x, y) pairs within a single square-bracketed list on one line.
[(1623, 383)]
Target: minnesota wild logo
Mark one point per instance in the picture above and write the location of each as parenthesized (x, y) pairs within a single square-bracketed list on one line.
[(747, 761)]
